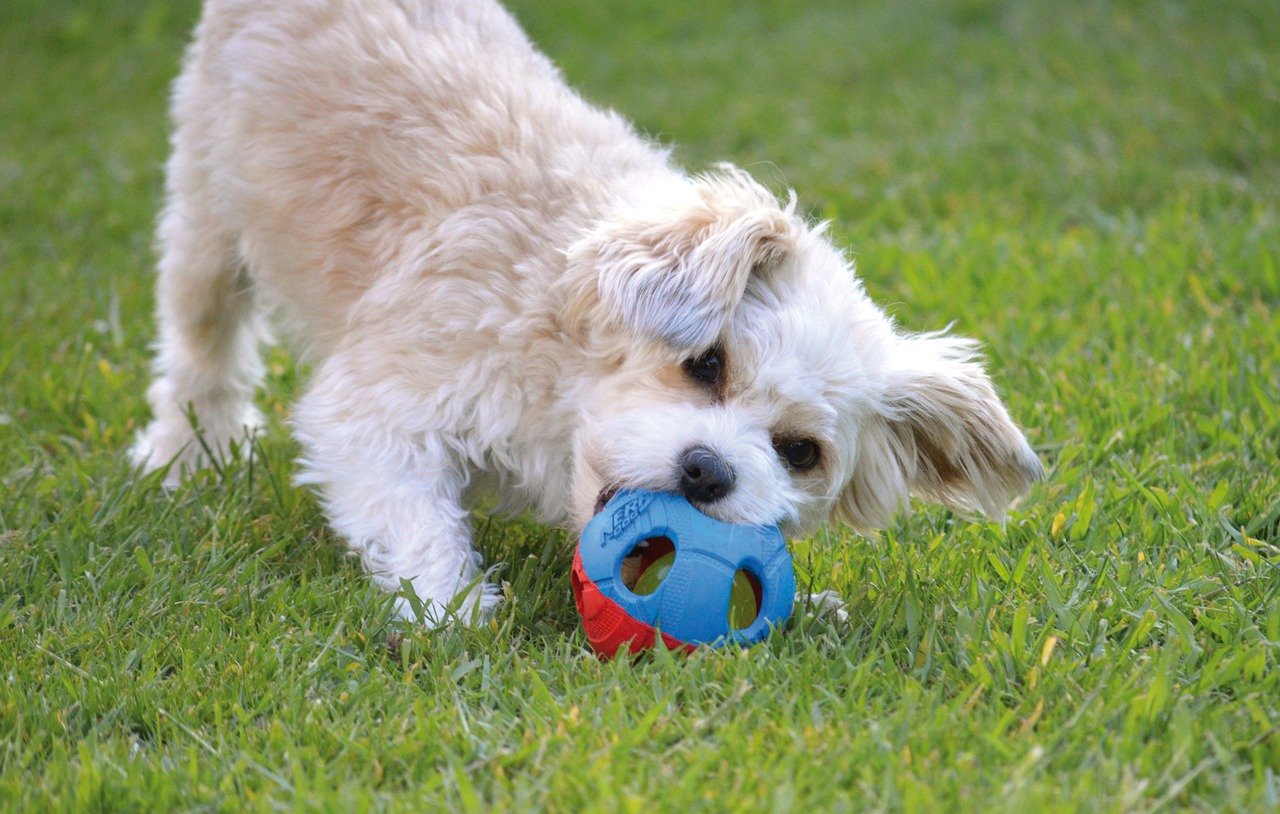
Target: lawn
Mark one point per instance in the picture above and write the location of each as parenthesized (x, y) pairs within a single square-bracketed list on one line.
[(1091, 188)]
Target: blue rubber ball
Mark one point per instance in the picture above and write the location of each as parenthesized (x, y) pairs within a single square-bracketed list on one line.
[(691, 604)]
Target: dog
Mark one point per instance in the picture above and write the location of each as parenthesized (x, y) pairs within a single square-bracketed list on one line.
[(509, 295)]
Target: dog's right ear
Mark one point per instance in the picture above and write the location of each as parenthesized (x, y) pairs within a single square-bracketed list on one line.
[(940, 432), (676, 267)]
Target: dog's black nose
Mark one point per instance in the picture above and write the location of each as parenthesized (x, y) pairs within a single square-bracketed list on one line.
[(704, 475)]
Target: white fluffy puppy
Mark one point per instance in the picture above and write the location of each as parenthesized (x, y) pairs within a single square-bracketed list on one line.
[(507, 291)]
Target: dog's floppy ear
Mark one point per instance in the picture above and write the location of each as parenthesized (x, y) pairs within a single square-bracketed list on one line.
[(941, 433), (674, 266)]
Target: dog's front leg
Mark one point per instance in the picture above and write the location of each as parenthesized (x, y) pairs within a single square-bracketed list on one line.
[(393, 489)]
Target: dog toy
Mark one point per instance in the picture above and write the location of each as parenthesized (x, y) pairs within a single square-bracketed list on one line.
[(650, 563)]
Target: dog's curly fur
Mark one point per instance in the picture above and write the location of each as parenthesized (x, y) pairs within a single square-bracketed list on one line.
[(501, 287)]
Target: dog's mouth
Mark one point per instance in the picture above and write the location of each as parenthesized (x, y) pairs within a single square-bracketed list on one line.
[(602, 499)]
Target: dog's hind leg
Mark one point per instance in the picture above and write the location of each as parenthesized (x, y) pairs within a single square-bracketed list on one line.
[(392, 486), (207, 361)]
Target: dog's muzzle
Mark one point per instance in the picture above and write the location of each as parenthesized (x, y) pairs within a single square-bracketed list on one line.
[(705, 477)]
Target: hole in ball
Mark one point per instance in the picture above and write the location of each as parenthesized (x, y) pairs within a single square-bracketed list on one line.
[(646, 566), (745, 599)]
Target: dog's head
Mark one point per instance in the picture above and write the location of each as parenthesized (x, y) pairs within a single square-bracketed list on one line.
[(744, 366)]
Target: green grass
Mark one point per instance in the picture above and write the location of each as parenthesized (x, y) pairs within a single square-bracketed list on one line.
[(1092, 188)]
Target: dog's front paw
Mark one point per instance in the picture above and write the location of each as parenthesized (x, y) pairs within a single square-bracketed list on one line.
[(473, 607), (825, 603)]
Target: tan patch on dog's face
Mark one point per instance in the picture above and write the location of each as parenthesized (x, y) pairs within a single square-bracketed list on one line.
[(676, 383)]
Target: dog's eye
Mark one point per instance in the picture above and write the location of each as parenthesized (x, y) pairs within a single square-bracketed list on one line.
[(801, 454), (706, 368)]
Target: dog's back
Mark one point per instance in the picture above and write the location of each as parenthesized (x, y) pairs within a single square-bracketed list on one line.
[(345, 133)]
